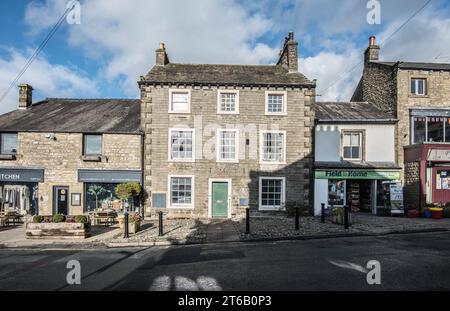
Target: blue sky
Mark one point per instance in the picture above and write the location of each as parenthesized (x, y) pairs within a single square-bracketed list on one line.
[(115, 42)]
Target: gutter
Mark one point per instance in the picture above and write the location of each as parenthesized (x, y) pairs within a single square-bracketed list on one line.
[(197, 83)]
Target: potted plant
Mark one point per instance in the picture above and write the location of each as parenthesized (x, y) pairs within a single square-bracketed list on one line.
[(128, 191), (134, 222)]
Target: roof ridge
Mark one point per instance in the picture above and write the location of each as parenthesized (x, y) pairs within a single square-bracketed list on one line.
[(235, 65), (90, 99)]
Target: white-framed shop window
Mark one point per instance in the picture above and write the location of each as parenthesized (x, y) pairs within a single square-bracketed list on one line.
[(273, 147), (272, 193), (181, 144), (181, 191), (276, 103), (227, 102), (179, 101), (227, 145)]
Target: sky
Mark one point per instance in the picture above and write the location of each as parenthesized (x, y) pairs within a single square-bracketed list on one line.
[(115, 42)]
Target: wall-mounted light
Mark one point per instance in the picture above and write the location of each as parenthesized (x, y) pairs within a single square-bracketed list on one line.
[(50, 136)]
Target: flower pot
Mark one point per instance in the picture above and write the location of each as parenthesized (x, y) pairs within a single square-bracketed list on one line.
[(413, 213), (436, 213), (427, 214)]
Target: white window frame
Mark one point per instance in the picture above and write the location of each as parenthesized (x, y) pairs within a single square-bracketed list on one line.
[(236, 146), (261, 147), (285, 101), (181, 205), (416, 82), (283, 194), (361, 143), (192, 159), (219, 101), (171, 91)]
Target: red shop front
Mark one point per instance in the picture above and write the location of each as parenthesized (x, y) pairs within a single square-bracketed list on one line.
[(427, 174)]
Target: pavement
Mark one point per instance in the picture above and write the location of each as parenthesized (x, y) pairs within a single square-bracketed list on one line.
[(408, 262), (221, 231)]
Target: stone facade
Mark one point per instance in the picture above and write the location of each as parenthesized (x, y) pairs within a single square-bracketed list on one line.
[(412, 187), (298, 124), (61, 158)]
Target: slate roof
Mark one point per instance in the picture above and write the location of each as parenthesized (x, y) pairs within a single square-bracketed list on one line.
[(174, 73), (76, 116), (355, 165), (351, 112), (417, 66)]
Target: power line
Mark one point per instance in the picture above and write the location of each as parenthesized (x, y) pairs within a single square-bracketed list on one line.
[(37, 51), (384, 42)]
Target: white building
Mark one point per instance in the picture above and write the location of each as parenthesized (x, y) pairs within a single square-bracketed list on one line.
[(354, 155)]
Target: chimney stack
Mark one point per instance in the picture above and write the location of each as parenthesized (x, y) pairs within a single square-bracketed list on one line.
[(162, 58), (289, 54), (25, 96), (372, 52)]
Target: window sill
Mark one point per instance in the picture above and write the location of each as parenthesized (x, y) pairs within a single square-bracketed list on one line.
[(91, 158), (181, 207), (8, 157), (418, 96), (276, 114), (231, 112)]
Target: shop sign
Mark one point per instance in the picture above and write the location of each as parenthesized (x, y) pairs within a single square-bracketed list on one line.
[(438, 155), (109, 176), (357, 174), (21, 175)]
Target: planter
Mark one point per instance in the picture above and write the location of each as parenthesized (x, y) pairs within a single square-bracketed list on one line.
[(436, 213), (427, 214), (133, 227), (63, 230), (413, 213), (446, 213)]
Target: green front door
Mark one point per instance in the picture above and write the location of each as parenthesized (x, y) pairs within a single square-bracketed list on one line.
[(219, 199)]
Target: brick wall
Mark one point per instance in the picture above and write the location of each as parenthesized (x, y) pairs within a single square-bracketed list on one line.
[(61, 160), (245, 175)]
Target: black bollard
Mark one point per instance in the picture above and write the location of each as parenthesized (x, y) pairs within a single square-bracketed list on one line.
[(161, 229), (346, 208), (125, 231), (322, 215), (297, 219), (247, 221)]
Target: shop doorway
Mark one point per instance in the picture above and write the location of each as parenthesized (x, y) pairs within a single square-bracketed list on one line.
[(359, 194), (61, 200)]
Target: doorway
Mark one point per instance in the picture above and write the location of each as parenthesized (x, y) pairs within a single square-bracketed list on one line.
[(61, 200), (219, 198)]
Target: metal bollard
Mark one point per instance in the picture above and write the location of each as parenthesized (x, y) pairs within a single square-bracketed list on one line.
[(297, 219), (125, 231), (322, 215), (346, 208), (161, 229), (247, 221)]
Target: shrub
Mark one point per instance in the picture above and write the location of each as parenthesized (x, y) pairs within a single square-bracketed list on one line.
[(58, 218), (81, 219), (38, 219)]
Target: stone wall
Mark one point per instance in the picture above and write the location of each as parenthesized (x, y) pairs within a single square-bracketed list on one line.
[(245, 175), (62, 158), (412, 191)]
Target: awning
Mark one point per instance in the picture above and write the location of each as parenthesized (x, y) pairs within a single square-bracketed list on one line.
[(357, 174), (21, 175), (110, 176)]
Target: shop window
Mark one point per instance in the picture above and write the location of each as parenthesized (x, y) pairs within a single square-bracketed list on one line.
[(419, 130), (228, 102), (180, 101), (336, 192), (92, 145), (8, 143), (273, 146), (181, 144), (436, 129), (181, 191), (351, 146), (227, 141), (271, 193), (443, 180), (418, 87), (102, 196)]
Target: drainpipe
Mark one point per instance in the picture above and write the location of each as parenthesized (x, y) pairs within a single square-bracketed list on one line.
[(142, 195)]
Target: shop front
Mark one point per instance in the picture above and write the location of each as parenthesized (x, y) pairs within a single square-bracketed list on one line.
[(19, 190), (364, 189), (427, 174), (100, 189)]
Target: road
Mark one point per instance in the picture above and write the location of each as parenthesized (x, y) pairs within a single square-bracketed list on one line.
[(408, 262)]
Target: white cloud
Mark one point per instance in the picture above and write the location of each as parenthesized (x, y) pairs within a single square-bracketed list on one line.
[(123, 35), (49, 80)]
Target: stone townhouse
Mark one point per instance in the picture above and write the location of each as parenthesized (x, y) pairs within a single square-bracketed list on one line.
[(418, 95), (221, 138), (54, 151)]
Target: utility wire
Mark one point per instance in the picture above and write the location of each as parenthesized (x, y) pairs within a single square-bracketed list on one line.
[(384, 42), (37, 51)]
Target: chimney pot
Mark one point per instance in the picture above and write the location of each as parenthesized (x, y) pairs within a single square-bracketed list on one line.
[(289, 54), (25, 96), (372, 40), (162, 58)]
